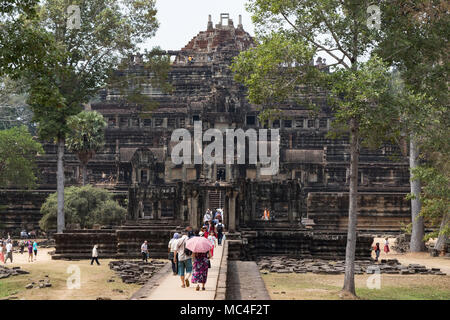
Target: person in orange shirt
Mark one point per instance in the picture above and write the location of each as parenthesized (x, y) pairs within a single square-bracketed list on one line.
[(266, 215)]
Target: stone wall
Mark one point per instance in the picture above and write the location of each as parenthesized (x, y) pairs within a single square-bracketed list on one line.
[(295, 243), (20, 210)]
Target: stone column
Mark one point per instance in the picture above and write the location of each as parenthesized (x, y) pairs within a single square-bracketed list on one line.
[(228, 173), (207, 199), (231, 210), (184, 172), (189, 209), (193, 220), (253, 202), (290, 206)]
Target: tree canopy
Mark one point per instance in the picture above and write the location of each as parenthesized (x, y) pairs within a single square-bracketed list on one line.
[(18, 151), (87, 136), (84, 206)]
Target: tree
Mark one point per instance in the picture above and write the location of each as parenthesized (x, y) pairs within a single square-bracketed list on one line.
[(435, 197), (279, 69), (87, 137), (414, 40), (17, 153), (13, 108), (77, 62), (85, 206)]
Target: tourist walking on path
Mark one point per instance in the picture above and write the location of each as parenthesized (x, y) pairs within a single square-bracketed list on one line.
[(190, 232), (200, 254), (22, 246), (144, 251), (203, 232), (207, 216), (184, 261), (2, 255), (200, 269), (212, 239), (30, 251), (35, 246), (219, 229), (173, 253), (386, 246), (95, 255), (377, 251), (9, 252)]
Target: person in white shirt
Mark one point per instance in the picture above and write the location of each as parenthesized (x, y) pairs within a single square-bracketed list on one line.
[(207, 216), (144, 251), (173, 253), (95, 255), (9, 252), (184, 261)]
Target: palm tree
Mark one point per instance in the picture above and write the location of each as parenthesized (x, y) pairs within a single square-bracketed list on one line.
[(87, 137)]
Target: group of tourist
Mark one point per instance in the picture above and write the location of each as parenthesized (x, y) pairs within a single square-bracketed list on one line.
[(213, 226), (6, 249), (192, 267), (377, 249), (186, 263)]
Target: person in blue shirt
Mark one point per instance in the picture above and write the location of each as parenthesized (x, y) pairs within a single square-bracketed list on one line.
[(35, 246)]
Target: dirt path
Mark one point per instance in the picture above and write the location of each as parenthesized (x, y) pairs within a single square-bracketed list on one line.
[(422, 258)]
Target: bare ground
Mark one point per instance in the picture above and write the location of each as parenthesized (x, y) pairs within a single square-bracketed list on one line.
[(94, 280)]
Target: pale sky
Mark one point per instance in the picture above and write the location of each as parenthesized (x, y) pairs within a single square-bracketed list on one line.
[(181, 20)]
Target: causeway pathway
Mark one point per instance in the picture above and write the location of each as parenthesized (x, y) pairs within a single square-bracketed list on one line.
[(166, 286)]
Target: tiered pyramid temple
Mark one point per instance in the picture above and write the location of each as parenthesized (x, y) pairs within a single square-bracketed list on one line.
[(308, 198)]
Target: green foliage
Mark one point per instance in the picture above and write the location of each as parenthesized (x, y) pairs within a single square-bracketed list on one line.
[(87, 135), (279, 70), (435, 195), (17, 153), (85, 206), (13, 108), (69, 66), (364, 94)]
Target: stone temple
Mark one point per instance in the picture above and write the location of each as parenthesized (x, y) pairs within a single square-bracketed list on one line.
[(308, 198)]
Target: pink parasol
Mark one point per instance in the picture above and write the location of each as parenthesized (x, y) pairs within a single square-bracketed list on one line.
[(198, 244)]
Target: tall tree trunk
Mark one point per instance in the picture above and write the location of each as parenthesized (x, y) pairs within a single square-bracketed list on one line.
[(84, 173), (442, 239), (349, 280), (417, 244), (60, 186)]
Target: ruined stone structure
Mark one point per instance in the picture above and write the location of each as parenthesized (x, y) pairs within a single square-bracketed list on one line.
[(308, 198)]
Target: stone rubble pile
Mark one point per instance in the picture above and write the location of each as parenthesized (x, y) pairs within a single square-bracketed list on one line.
[(283, 264), (14, 271), (401, 244), (41, 284), (132, 271)]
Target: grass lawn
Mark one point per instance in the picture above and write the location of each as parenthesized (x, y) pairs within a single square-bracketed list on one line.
[(94, 280), (311, 286)]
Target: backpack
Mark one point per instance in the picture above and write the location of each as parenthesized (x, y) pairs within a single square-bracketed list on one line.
[(186, 250), (220, 227)]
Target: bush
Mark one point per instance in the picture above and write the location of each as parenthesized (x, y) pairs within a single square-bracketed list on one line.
[(85, 206)]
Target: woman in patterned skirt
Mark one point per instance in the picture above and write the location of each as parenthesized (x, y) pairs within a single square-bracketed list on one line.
[(200, 269)]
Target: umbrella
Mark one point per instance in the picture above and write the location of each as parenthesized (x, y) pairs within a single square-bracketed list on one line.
[(198, 244)]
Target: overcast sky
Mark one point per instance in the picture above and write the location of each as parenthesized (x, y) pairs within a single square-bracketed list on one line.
[(181, 20)]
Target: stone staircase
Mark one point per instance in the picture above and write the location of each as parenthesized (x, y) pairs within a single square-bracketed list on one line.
[(216, 199)]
